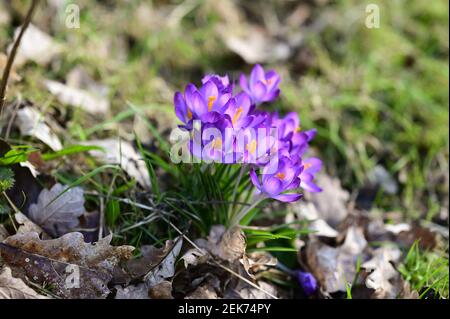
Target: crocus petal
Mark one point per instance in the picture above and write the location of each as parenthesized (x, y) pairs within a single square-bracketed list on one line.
[(308, 282), (259, 91), (210, 117), (243, 83), (198, 104), (310, 186), (180, 106), (273, 186), (257, 75), (254, 179), (314, 165), (288, 198)]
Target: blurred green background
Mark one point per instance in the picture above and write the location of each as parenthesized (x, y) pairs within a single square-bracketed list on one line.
[(377, 96)]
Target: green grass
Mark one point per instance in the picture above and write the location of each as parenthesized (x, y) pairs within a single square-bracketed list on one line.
[(427, 272), (376, 96)]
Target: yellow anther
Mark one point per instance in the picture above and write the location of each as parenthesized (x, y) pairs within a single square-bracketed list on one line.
[(280, 175), (189, 114), (211, 101), (217, 143), (307, 165), (237, 115), (298, 129), (251, 147)]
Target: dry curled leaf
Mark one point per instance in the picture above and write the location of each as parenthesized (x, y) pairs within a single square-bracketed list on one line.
[(3, 233), (36, 46), (194, 257), (26, 225), (383, 277), (87, 100), (74, 268), (122, 153), (166, 267), (228, 245), (257, 262), (15, 288), (335, 267), (331, 202), (58, 209), (139, 291), (31, 123)]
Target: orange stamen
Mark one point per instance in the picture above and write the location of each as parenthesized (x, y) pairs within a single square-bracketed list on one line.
[(237, 115), (280, 175), (211, 101)]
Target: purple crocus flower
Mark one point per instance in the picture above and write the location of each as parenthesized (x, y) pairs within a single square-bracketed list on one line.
[(207, 103), (222, 82), (310, 167), (276, 180), (308, 282), (261, 86), (239, 110)]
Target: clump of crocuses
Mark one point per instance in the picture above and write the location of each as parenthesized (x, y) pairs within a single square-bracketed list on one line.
[(232, 127)]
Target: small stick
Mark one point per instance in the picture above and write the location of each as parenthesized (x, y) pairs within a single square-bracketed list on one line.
[(12, 54)]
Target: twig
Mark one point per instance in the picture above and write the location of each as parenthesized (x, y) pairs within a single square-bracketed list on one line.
[(12, 54)]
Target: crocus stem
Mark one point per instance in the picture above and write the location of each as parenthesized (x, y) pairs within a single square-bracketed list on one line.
[(237, 219), (236, 186)]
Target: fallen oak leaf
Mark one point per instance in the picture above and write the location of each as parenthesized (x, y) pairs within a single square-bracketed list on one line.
[(383, 277), (15, 288), (31, 123), (228, 245), (166, 267), (58, 209), (336, 267), (56, 261)]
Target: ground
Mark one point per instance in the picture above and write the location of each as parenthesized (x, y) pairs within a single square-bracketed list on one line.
[(378, 98)]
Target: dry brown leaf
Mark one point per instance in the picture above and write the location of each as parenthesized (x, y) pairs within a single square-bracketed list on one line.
[(89, 101), (15, 288), (3, 233), (228, 245), (66, 263), (245, 291), (203, 292), (139, 291), (26, 225), (163, 290), (31, 123), (194, 257), (123, 153), (335, 267), (331, 202), (383, 277), (36, 46), (257, 261), (58, 215), (166, 267), (254, 45), (153, 259)]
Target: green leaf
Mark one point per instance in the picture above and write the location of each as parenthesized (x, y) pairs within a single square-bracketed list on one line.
[(73, 149), (17, 154)]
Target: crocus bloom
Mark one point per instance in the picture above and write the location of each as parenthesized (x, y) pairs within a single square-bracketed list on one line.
[(238, 111), (261, 86), (308, 282), (276, 180), (310, 167), (222, 82), (207, 103)]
